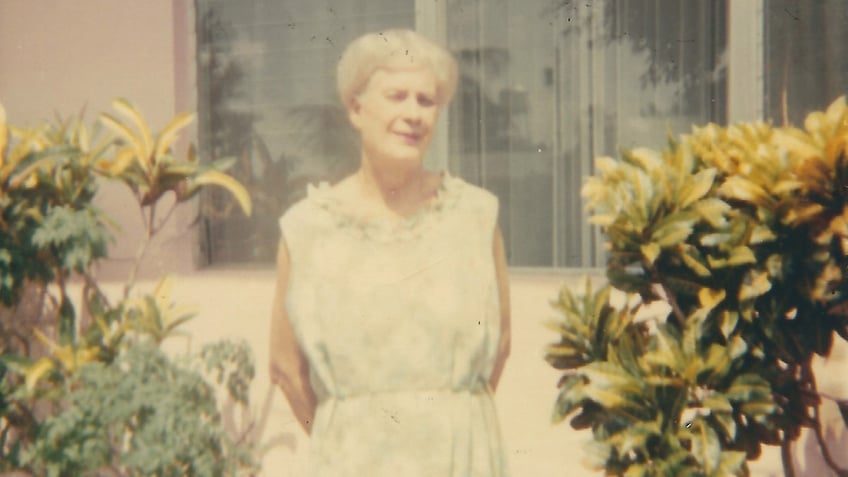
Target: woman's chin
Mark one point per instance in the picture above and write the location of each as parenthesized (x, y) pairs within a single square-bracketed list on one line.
[(402, 163)]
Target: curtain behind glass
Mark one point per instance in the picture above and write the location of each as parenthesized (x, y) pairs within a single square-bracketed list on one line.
[(806, 57), (267, 99), (549, 85)]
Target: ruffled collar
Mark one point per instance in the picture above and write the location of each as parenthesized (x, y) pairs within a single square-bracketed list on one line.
[(387, 229)]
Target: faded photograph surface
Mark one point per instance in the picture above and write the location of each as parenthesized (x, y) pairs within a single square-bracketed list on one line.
[(342, 238)]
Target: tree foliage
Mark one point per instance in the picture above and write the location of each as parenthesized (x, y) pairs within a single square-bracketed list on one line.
[(743, 232), (87, 391)]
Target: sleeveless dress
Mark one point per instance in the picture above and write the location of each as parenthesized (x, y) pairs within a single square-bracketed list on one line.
[(400, 324)]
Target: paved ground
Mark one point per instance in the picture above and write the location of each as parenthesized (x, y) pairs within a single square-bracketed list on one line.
[(236, 304)]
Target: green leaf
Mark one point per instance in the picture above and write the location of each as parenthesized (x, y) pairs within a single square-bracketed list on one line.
[(727, 423), (706, 446), (673, 232), (748, 387), (569, 399), (667, 351), (67, 322)]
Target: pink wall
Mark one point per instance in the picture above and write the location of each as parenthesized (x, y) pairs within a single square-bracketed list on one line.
[(58, 56)]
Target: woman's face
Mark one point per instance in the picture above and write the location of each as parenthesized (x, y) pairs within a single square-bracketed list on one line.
[(395, 116)]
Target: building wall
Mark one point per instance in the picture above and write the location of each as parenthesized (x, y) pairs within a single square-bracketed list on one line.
[(61, 57)]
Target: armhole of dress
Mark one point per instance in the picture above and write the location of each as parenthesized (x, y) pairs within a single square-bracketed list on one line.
[(492, 222), (288, 232)]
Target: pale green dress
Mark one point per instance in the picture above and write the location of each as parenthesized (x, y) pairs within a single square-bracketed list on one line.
[(400, 325)]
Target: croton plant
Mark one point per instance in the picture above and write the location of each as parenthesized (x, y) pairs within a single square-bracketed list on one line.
[(742, 232)]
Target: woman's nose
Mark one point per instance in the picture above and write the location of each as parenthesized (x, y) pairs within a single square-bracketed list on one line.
[(412, 111)]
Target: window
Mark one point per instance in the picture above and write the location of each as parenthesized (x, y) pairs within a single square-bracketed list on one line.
[(548, 86), (267, 99), (545, 87), (806, 57)]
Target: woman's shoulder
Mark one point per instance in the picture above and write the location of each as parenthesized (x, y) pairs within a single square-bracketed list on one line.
[(306, 212), (470, 196)]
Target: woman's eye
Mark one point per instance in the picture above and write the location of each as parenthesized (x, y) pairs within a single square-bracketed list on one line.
[(426, 101), (397, 95)]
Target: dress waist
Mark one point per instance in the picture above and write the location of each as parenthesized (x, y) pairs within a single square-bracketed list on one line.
[(472, 389)]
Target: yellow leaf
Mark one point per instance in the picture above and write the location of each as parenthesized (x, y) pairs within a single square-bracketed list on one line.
[(233, 186), (673, 232), (736, 187), (710, 298), (754, 285), (787, 186), (695, 264), (33, 375), (648, 159), (795, 142), (82, 134), (122, 160), (651, 251), (124, 107), (606, 165), (162, 292), (761, 234), (713, 211), (170, 133), (836, 111), (602, 220), (700, 184), (727, 322), (741, 256), (128, 135)]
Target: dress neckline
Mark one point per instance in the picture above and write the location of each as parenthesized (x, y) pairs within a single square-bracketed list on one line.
[(384, 229)]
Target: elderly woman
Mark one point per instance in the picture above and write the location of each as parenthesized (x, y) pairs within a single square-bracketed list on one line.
[(390, 325)]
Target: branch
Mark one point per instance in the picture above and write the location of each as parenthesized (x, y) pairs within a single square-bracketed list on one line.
[(669, 295), (165, 219), (786, 457), (150, 220), (810, 377)]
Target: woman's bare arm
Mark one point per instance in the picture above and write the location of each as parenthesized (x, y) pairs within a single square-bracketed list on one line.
[(289, 368), (502, 276)]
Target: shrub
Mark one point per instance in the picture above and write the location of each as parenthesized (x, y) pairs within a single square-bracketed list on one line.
[(743, 232), (87, 391)]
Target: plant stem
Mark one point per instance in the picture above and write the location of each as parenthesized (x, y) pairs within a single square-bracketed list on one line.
[(786, 457), (142, 249), (164, 220), (810, 377), (669, 295), (675, 307)]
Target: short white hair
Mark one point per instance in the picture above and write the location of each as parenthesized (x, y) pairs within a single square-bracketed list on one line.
[(394, 49)]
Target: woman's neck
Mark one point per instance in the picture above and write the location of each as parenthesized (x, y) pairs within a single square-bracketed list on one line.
[(402, 192)]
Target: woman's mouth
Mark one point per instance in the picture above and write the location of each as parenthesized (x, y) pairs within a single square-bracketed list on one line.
[(410, 138)]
